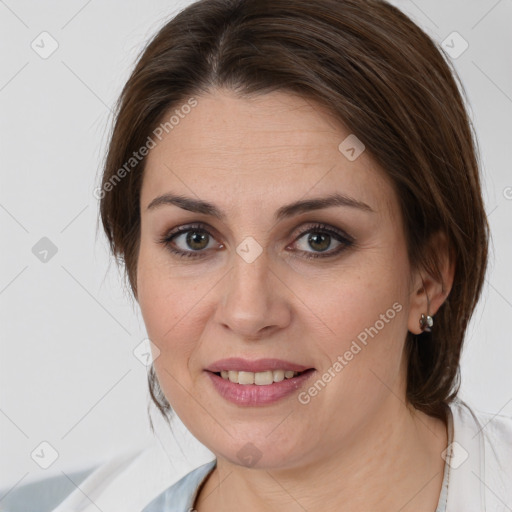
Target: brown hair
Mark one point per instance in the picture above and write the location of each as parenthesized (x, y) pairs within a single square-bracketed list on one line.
[(376, 71)]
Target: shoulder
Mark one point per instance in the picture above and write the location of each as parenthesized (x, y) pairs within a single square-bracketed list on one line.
[(490, 432), (66, 489), (480, 459), (42, 495), (126, 481), (182, 494)]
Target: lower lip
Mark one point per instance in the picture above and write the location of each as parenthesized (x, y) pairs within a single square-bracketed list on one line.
[(253, 394)]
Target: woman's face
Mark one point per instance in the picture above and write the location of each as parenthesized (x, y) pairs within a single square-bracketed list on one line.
[(266, 282)]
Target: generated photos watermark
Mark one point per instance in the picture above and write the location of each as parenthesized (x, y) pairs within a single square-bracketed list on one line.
[(343, 360), (137, 156)]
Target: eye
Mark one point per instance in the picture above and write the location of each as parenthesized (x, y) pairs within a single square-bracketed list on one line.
[(194, 239), (320, 239)]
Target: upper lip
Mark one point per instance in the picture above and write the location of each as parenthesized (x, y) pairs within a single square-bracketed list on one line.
[(257, 365)]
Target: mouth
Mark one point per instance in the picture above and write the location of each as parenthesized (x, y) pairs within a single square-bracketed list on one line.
[(258, 388), (257, 382)]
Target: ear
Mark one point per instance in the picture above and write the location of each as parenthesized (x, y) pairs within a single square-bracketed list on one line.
[(429, 291)]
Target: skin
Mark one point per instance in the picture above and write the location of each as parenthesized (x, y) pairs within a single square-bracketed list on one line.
[(250, 157)]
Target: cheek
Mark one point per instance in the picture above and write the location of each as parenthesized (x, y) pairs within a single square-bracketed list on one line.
[(361, 344), (168, 326), (364, 314), (164, 306), (173, 306)]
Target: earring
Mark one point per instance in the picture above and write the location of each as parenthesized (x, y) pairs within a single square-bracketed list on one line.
[(426, 323)]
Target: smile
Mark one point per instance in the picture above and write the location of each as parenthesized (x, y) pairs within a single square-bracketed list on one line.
[(258, 388)]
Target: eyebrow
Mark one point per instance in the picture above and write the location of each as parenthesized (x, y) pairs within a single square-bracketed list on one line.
[(295, 208)]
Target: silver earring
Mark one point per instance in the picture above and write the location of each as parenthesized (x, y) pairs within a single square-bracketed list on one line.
[(426, 323)]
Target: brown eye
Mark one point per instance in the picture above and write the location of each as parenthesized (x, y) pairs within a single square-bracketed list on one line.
[(319, 242), (188, 241), (195, 240), (320, 238)]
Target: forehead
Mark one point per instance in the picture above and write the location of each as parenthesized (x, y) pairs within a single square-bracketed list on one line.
[(272, 148)]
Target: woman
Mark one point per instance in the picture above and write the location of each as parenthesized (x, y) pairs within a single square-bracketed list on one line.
[(293, 188)]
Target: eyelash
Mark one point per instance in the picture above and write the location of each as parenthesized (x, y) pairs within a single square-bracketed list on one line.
[(340, 236)]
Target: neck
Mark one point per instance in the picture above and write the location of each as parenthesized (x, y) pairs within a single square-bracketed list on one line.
[(393, 463)]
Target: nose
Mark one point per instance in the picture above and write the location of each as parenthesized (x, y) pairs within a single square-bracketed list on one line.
[(253, 299)]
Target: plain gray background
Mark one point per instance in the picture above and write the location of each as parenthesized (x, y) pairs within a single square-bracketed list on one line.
[(68, 375)]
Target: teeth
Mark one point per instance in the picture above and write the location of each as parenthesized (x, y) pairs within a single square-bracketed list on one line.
[(260, 378), (245, 378), (278, 375)]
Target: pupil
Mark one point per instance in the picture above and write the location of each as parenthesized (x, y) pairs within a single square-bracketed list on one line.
[(196, 237), (314, 239)]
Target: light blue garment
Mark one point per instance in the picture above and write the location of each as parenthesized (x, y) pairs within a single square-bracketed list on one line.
[(180, 496), (43, 495)]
